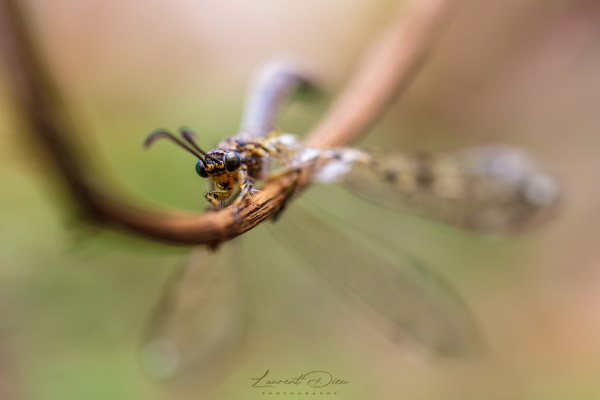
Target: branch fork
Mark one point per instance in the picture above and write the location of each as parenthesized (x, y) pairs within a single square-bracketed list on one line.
[(385, 72)]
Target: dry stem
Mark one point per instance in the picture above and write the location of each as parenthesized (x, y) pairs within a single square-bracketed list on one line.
[(387, 69)]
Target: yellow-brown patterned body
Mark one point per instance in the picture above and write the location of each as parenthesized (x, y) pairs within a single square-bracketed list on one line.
[(491, 189), (252, 159), (253, 154), (234, 165)]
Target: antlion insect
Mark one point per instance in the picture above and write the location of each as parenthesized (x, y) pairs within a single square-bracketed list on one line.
[(490, 189)]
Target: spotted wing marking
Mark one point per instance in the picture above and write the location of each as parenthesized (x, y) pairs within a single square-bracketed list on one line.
[(489, 189)]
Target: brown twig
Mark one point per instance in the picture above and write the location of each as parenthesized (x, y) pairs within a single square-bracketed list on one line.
[(387, 70), (389, 67)]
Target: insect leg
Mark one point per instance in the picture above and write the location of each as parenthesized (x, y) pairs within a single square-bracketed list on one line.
[(216, 198), (246, 186)]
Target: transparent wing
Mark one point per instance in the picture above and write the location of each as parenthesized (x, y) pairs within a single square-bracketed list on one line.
[(199, 323), (400, 296), (489, 189)]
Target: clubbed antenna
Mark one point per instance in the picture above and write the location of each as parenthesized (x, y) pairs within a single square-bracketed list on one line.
[(162, 133), (190, 138)]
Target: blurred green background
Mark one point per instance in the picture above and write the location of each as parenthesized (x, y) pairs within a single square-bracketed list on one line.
[(73, 300)]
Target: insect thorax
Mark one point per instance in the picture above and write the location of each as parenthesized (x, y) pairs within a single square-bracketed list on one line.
[(252, 154)]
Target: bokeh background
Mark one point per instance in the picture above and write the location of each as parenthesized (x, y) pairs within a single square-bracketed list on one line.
[(74, 300)]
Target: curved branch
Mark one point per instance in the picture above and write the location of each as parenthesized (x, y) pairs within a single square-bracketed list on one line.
[(273, 84), (389, 67), (387, 70)]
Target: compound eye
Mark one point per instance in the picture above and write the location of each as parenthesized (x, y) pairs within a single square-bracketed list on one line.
[(232, 161), (200, 169)]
